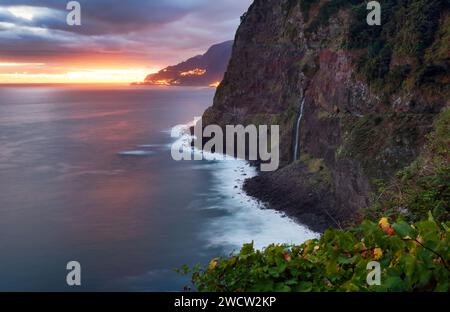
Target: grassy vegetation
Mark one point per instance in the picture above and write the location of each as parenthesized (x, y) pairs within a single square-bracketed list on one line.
[(383, 143), (424, 185)]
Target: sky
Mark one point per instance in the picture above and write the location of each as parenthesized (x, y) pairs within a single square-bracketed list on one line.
[(117, 41)]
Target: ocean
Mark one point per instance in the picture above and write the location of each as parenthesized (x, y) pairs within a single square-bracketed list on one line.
[(86, 175)]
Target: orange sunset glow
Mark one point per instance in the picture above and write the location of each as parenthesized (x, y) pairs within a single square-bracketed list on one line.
[(12, 73), (124, 44)]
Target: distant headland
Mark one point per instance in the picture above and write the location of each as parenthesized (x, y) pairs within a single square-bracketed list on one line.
[(201, 70)]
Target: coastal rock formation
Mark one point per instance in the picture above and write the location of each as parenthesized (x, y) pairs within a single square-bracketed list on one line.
[(202, 70), (371, 94)]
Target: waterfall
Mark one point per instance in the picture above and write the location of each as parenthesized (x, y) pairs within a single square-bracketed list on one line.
[(297, 130)]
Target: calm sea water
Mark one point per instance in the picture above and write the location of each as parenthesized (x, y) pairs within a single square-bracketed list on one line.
[(86, 175)]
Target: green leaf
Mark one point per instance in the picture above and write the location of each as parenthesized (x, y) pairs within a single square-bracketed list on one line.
[(263, 286), (393, 283), (442, 286), (404, 230), (281, 287), (430, 217), (304, 287)]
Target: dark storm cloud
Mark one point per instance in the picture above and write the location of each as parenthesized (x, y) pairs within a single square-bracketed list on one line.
[(106, 16), (145, 28)]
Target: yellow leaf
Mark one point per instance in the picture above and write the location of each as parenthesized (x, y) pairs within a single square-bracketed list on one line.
[(212, 264), (384, 223), (378, 253)]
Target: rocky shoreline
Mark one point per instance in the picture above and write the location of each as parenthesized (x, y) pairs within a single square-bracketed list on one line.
[(284, 191)]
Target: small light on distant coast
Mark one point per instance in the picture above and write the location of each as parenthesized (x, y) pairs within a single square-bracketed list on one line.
[(194, 72)]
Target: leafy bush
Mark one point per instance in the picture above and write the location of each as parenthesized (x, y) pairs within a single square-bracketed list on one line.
[(412, 257)]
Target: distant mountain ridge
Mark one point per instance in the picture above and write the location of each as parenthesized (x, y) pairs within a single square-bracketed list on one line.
[(201, 70)]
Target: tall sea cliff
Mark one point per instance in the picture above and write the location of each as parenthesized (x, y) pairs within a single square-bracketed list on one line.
[(356, 100)]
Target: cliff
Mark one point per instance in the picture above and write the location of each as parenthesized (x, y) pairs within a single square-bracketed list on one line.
[(201, 70), (370, 93)]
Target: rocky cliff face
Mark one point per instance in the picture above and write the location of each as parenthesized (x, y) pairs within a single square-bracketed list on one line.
[(371, 95)]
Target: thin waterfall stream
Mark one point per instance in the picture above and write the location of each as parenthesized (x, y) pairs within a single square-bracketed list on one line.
[(297, 131)]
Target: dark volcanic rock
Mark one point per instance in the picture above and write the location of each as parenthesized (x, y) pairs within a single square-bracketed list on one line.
[(309, 201)]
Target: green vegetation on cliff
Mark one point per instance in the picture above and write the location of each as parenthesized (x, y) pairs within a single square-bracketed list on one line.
[(383, 142), (407, 47), (422, 186), (397, 50)]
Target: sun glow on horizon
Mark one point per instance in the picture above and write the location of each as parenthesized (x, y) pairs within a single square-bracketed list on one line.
[(72, 76)]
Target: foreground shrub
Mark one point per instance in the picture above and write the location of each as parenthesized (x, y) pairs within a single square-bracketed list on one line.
[(412, 257)]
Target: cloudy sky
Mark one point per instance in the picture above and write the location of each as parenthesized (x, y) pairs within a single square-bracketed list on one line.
[(119, 40)]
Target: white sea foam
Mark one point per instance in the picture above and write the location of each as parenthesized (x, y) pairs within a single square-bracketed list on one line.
[(246, 220)]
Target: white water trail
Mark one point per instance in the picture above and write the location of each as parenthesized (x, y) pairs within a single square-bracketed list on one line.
[(244, 218), (297, 131)]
